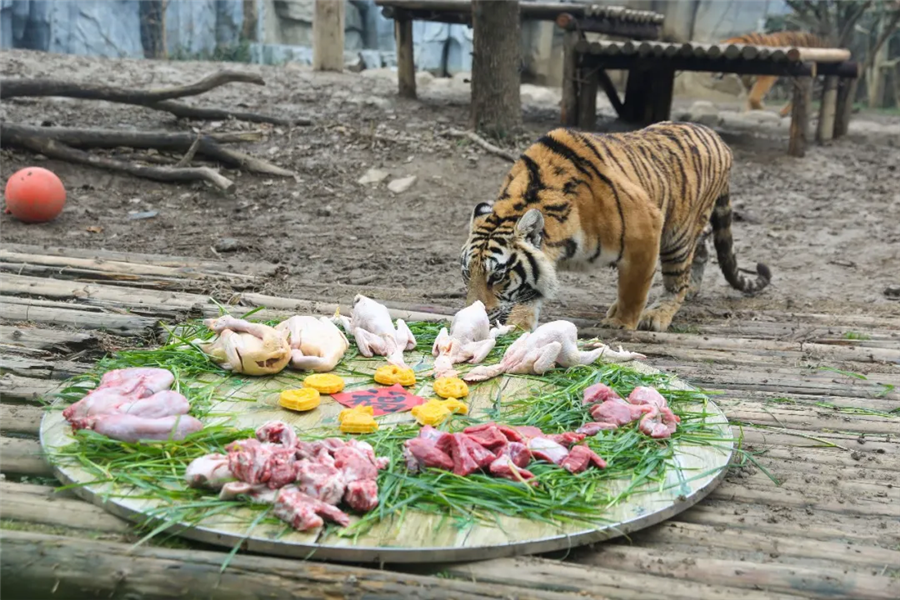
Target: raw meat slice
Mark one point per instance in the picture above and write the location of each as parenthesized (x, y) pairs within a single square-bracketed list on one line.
[(258, 494), (362, 495), (277, 432), (161, 404), (128, 428), (599, 392), (512, 434), (430, 433), (381, 462), (527, 432), (468, 456), (546, 449), (567, 439), (303, 512), (422, 453), (354, 464), (647, 395), (324, 482), (617, 412), (518, 452), (152, 379), (489, 437), (661, 423), (210, 471), (580, 458), (594, 428), (506, 468)]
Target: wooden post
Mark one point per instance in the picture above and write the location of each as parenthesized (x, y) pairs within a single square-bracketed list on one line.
[(661, 96), (406, 63), (825, 129), (844, 109), (587, 98), (800, 116), (637, 90), (328, 36), (570, 87)]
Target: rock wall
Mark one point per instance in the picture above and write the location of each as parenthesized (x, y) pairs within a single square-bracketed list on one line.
[(283, 30)]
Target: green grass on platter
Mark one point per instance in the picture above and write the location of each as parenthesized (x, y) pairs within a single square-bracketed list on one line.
[(554, 403)]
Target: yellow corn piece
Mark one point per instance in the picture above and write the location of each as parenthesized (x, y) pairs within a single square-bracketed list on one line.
[(302, 399), (391, 374), (324, 383), (436, 411), (358, 419), (450, 387)]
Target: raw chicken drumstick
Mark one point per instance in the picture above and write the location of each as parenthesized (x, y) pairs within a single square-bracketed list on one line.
[(538, 351)]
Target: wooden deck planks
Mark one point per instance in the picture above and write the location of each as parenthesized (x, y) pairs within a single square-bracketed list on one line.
[(831, 528)]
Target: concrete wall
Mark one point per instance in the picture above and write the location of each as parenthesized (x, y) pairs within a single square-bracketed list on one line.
[(284, 30)]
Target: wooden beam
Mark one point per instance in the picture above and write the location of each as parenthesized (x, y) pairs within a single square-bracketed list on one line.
[(611, 93), (328, 36), (406, 63), (800, 116), (23, 457), (45, 566)]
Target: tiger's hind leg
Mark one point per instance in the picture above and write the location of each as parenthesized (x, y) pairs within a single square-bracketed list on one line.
[(677, 271), (760, 89), (701, 257)]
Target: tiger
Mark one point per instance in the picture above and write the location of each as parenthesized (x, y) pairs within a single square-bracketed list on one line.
[(757, 86), (574, 200)]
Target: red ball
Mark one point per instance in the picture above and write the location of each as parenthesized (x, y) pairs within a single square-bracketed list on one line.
[(35, 195)]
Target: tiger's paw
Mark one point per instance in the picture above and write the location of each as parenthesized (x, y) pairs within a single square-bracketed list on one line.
[(655, 319)]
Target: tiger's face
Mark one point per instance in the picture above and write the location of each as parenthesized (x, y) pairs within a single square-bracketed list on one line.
[(503, 266)]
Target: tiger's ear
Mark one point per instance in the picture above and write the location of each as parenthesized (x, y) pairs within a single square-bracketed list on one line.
[(481, 209), (531, 227)]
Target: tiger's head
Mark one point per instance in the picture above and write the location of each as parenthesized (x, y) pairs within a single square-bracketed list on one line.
[(504, 267)]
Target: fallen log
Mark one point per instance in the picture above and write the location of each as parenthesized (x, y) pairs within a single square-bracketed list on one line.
[(44, 566)]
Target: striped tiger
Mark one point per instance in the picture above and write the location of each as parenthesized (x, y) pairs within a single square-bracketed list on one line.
[(574, 199), (757, 86)]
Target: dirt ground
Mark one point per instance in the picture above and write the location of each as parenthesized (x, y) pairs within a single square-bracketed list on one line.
[(828, 225)]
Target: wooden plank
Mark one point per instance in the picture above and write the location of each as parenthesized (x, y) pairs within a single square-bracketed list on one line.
[(113, 323), (775, 496), (41, 369), (46, 339), (328, 36), (31, 390), (406, 62), (40, 504), (20, 419), (800, 116), (23, 457), (39, 566), (611, 583), (771, 577)]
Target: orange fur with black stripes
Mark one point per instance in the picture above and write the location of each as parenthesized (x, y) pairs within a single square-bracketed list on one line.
[(757, 86), (575, 200)]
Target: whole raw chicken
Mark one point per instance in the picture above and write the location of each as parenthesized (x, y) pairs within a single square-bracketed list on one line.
[(538, 351), (244, 347), (470, 339), (370, 325), (316, 343)]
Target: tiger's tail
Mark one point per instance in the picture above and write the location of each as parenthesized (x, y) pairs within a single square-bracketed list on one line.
[(724, 243)]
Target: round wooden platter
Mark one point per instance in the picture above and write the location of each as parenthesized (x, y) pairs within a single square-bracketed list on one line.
[(419, 537)]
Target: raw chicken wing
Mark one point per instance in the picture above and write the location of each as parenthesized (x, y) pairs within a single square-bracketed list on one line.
[(370, 325), (537, 352), (316, 343), (470, 339), (244, 347)]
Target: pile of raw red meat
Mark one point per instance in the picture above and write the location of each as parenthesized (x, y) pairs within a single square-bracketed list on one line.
[(500, 450), (304, 480), (610, 411), (134, 404)]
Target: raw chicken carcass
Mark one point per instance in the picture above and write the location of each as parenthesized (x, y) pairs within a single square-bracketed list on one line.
[(470, 339), (244, 347), (303, 512), (210, 471), (316, 343), (120, 386), (161, 404), (537, 352), (370, 325), (129, 428)]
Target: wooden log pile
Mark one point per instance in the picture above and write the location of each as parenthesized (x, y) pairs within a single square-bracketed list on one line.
[(72, 144)]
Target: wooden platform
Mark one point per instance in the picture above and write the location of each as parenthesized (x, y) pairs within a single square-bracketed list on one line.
[(830, 528)]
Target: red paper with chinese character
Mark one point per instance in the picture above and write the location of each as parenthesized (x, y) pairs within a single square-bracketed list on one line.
[(383, 400)]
